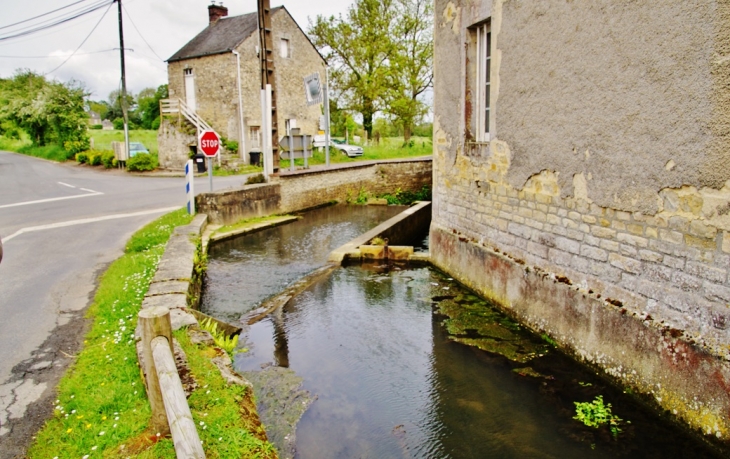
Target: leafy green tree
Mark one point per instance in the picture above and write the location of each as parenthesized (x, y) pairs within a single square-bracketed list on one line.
[(411, 65), (148, 106), (101, 107), (115, 105), (358, 47), (50, 112)]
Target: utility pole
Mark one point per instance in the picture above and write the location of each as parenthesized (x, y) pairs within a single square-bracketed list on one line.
[(266, 55), (124, 81)]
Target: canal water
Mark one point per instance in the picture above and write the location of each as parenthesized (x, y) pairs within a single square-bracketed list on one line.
[(245, 271), (406, 363)]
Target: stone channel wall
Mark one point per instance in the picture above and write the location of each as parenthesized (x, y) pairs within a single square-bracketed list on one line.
[(299, 190), (598, 209)]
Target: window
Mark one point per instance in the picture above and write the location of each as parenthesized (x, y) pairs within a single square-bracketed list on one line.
[(285, 48), (481, 81), (254, 135)]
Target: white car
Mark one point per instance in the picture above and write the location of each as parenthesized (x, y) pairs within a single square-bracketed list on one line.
[(350, 150)]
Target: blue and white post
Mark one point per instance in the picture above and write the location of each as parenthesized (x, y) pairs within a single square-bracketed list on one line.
[(189, 186)]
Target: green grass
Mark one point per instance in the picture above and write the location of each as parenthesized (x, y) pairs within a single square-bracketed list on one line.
[(101, 407), (389, 148), (103, 139), (246, 169), (25, 146)]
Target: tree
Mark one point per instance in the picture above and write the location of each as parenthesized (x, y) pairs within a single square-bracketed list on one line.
[(358, 48), (411, 65), (50, 112), (115, 105), (148, 106), (101, 107)]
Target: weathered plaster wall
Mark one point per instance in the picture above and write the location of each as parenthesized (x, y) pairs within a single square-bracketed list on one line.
[(607, 170), (614, 91)]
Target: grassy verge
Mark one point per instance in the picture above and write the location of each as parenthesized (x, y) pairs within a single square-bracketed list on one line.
[(389, 148), (101, 408), (103, 139), (25, 146), (245, 169)]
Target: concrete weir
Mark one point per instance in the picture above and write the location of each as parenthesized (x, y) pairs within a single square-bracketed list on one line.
[(649, 357)]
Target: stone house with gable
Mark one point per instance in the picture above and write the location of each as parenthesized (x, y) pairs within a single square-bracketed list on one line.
[(203, 74), (582, 181)]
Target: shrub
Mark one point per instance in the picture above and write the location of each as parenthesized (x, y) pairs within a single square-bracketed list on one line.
[(231, 145), (156, 123), (142, 162), (258, 178), (96, 127), (107, 159), (118, 124), (94, 158), (82, 157)]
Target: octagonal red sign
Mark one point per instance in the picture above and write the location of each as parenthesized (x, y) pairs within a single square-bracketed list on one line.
[(209, 143)]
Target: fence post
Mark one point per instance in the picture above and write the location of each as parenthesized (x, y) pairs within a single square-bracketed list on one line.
[(155, 322)]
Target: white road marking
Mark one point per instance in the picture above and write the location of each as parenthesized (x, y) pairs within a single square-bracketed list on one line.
[(25, 203), (87, 220), (66, 184), (86, 189)]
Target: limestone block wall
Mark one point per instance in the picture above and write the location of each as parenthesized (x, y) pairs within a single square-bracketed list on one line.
[(293, 192), (312, 188), (174, 144), (598, 210)]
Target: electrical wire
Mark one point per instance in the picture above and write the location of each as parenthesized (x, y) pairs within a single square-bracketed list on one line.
[(82, 43), (57, 21), (49, 57), (41, 15), (140, 33)]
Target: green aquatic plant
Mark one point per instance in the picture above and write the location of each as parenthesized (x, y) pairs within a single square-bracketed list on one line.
[(227, 343), (597, 414)]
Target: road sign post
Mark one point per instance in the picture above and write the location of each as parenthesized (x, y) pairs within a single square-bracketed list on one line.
[(189, 186), (210, 144)]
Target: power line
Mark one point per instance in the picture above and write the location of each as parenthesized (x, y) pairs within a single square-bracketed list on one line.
[(41, 15), (82, 43), (57, 21), (140, 34), (49, 57)]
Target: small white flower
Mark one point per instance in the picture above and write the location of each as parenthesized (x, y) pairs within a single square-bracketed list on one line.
[(101, 433), (93, 448)]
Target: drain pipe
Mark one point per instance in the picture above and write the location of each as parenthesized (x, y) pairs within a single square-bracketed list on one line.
[(242, 140)]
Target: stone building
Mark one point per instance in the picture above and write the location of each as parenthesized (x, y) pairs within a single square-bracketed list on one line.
[(581, 180), (203, 75)]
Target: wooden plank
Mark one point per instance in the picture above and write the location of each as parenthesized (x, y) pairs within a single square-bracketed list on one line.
[(184, 434)]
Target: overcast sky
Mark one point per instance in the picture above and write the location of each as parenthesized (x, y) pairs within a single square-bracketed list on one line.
[(165, 24)]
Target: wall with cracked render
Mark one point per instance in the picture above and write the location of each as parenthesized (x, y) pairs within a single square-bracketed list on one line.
[(606, 183)]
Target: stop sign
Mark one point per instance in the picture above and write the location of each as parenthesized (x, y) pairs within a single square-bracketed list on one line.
[(209, 143)]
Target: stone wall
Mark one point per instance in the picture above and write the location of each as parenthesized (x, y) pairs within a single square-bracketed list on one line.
[(305, 189), (174, 139), (599, 210), (292, 192)]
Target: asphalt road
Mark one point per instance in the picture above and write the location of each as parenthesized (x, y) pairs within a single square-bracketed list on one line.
[(61, 225)]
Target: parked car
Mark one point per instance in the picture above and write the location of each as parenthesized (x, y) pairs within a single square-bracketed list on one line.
[(350, 150), (137, 147)]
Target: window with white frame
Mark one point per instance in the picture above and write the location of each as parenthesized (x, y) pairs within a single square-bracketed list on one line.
[(482, 80), (285, 48)]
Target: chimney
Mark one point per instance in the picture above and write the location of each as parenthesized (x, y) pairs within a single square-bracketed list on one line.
[(216, 12)]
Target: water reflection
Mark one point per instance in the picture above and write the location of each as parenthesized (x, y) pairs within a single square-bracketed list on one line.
[(244, 271), (391, 381)]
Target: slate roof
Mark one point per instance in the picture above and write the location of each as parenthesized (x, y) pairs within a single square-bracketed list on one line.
[(220, 37)]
